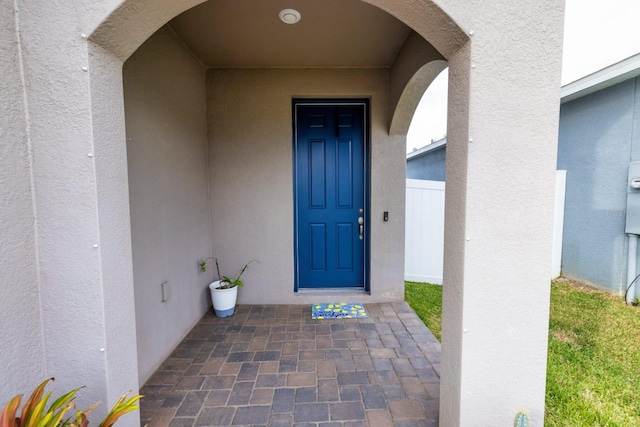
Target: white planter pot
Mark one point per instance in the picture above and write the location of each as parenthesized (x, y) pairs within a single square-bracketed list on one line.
[(224, 300)]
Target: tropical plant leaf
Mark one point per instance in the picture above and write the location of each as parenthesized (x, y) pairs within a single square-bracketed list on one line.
[(121, 407), (34, 399), (81, 419), (63, 400), (34, 418), (62, 404), (81, 416), (8, 414), (36, 414), (227, 282), (53, 419)]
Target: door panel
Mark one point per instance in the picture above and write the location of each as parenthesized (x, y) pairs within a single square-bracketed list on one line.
[(318, 246), (330, 193), (345, 178), (317, 174)]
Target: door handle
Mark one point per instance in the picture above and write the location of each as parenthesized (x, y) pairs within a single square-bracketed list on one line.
[(361, 227)]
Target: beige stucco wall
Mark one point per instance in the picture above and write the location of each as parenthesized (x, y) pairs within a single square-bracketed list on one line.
[(504, 91), (64, 320), (21, 346), (250, 156), (164, 94)]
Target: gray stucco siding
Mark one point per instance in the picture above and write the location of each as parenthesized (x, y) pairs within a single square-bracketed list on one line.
[(429, 166), (595, 145)]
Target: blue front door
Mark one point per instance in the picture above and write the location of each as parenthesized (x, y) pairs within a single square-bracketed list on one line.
[(330, 153)]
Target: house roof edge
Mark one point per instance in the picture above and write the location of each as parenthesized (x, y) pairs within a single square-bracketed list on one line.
[(613, 74), (427, 148)]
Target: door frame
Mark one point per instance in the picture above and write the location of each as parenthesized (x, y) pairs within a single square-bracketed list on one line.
[(365, 102)]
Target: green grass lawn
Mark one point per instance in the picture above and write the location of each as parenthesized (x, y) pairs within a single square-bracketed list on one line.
[(426, 301), (593, 371)]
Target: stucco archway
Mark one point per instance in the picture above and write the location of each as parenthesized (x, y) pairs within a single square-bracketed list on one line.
[(476, 197), (411, 95), (119, 35), (113, 41)]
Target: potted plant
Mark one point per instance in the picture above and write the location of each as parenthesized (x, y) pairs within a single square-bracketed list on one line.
[(224, 291)]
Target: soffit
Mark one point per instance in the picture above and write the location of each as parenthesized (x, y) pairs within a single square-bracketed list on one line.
[(331, 33)]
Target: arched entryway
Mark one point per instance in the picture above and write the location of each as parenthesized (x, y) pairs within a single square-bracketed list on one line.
[(408, 77), (126, 27), (208, 120)]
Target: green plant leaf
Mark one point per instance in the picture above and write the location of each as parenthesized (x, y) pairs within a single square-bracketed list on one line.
[(34, 399), (34, 418), (227, 283), (81, 416), (53, 419), (36, 414), (121, 407), (63, 400), (62, 404)]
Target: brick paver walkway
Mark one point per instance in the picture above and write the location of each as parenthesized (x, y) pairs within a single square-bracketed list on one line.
[(275, 366)]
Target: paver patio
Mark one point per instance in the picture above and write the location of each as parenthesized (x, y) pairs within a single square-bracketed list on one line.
[(275, 366)]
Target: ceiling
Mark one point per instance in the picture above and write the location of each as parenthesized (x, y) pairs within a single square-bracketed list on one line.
[(331, 33)]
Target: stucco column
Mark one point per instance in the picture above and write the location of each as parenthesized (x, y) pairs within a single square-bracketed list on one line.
[(499, 210), (80, 202), (113, 221)]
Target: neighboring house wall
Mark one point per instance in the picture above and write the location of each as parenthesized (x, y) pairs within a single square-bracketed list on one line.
[(22, 355), (165, 109), (429, 166), (599, 135), (250, 155)]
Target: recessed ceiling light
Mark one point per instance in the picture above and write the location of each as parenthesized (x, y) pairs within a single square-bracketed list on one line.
[(289, 16)]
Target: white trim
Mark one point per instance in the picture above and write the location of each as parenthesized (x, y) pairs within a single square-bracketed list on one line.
[(609, 76)]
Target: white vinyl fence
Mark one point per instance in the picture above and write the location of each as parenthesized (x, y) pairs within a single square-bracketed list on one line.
[(424, 229)]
